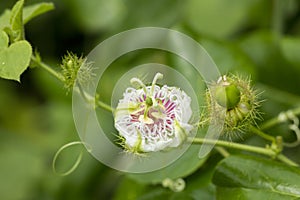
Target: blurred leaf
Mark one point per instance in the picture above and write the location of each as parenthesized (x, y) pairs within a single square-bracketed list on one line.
[(129, 189), (252, 176), (199, 184), (97, 14), (185, 165), (219, 18), (16, 21), (35, 10), (291, 48), (152, 13), (4, 19), (229, 57), (263, 47), (14, 60), (20, 168)]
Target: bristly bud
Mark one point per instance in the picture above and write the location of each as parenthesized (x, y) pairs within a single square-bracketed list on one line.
[(74, 67), (237, 97)]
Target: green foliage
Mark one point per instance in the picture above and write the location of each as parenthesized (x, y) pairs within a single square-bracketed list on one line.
[(251, 177), (222, 18), (291, 47), (15, 51), (14, 59), (32, 11), (182, 167), (257, 38), (16, 21)]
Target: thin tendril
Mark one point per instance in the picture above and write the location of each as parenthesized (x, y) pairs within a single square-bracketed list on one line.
[(77, 162)]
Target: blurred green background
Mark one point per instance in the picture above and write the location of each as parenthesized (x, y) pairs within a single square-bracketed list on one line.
[(257, 38)]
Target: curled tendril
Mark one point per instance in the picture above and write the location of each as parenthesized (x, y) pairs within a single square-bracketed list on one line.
[(77, 162), (294, 126), (177, 185)]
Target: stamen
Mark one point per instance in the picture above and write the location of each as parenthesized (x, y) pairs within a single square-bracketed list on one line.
[(156, 77), (140, 83)]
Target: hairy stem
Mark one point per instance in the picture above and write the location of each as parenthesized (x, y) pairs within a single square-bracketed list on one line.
[(262, 134), (244, 147), (104, 106), (47, 68), (61, 78), (286, 160), (233, 145)]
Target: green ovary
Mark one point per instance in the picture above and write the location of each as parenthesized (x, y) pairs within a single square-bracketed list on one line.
[(228, 96)]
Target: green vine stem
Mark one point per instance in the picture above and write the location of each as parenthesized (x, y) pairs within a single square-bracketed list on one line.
[(56, 74), (262, 134), (47, 68), (264, 151)]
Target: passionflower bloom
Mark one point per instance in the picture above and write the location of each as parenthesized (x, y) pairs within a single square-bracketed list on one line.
[(153, 118)]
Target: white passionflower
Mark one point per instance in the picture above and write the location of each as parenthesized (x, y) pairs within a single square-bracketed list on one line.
[(153, 118)]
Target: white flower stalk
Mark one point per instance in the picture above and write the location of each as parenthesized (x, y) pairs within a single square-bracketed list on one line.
[(153, 118)]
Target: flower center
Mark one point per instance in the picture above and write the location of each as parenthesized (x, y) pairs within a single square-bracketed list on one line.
[(155, 118)]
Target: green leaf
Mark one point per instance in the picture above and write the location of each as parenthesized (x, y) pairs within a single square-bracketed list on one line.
[(221, 18), (35, 10), (4, 19), (3, 40), (245, 193), (14, 60), (129, 189), (182, 167), (16, 20), (272, 68), (291, 47), (21, 166), (97, 14), (229, 57), (251, 176), (29, 12)]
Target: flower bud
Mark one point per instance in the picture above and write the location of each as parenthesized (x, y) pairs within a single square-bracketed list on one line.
[(75, 68), (239, 100)]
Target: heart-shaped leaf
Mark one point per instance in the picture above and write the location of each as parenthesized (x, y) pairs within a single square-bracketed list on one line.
[(256, 178), (14, 59)]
